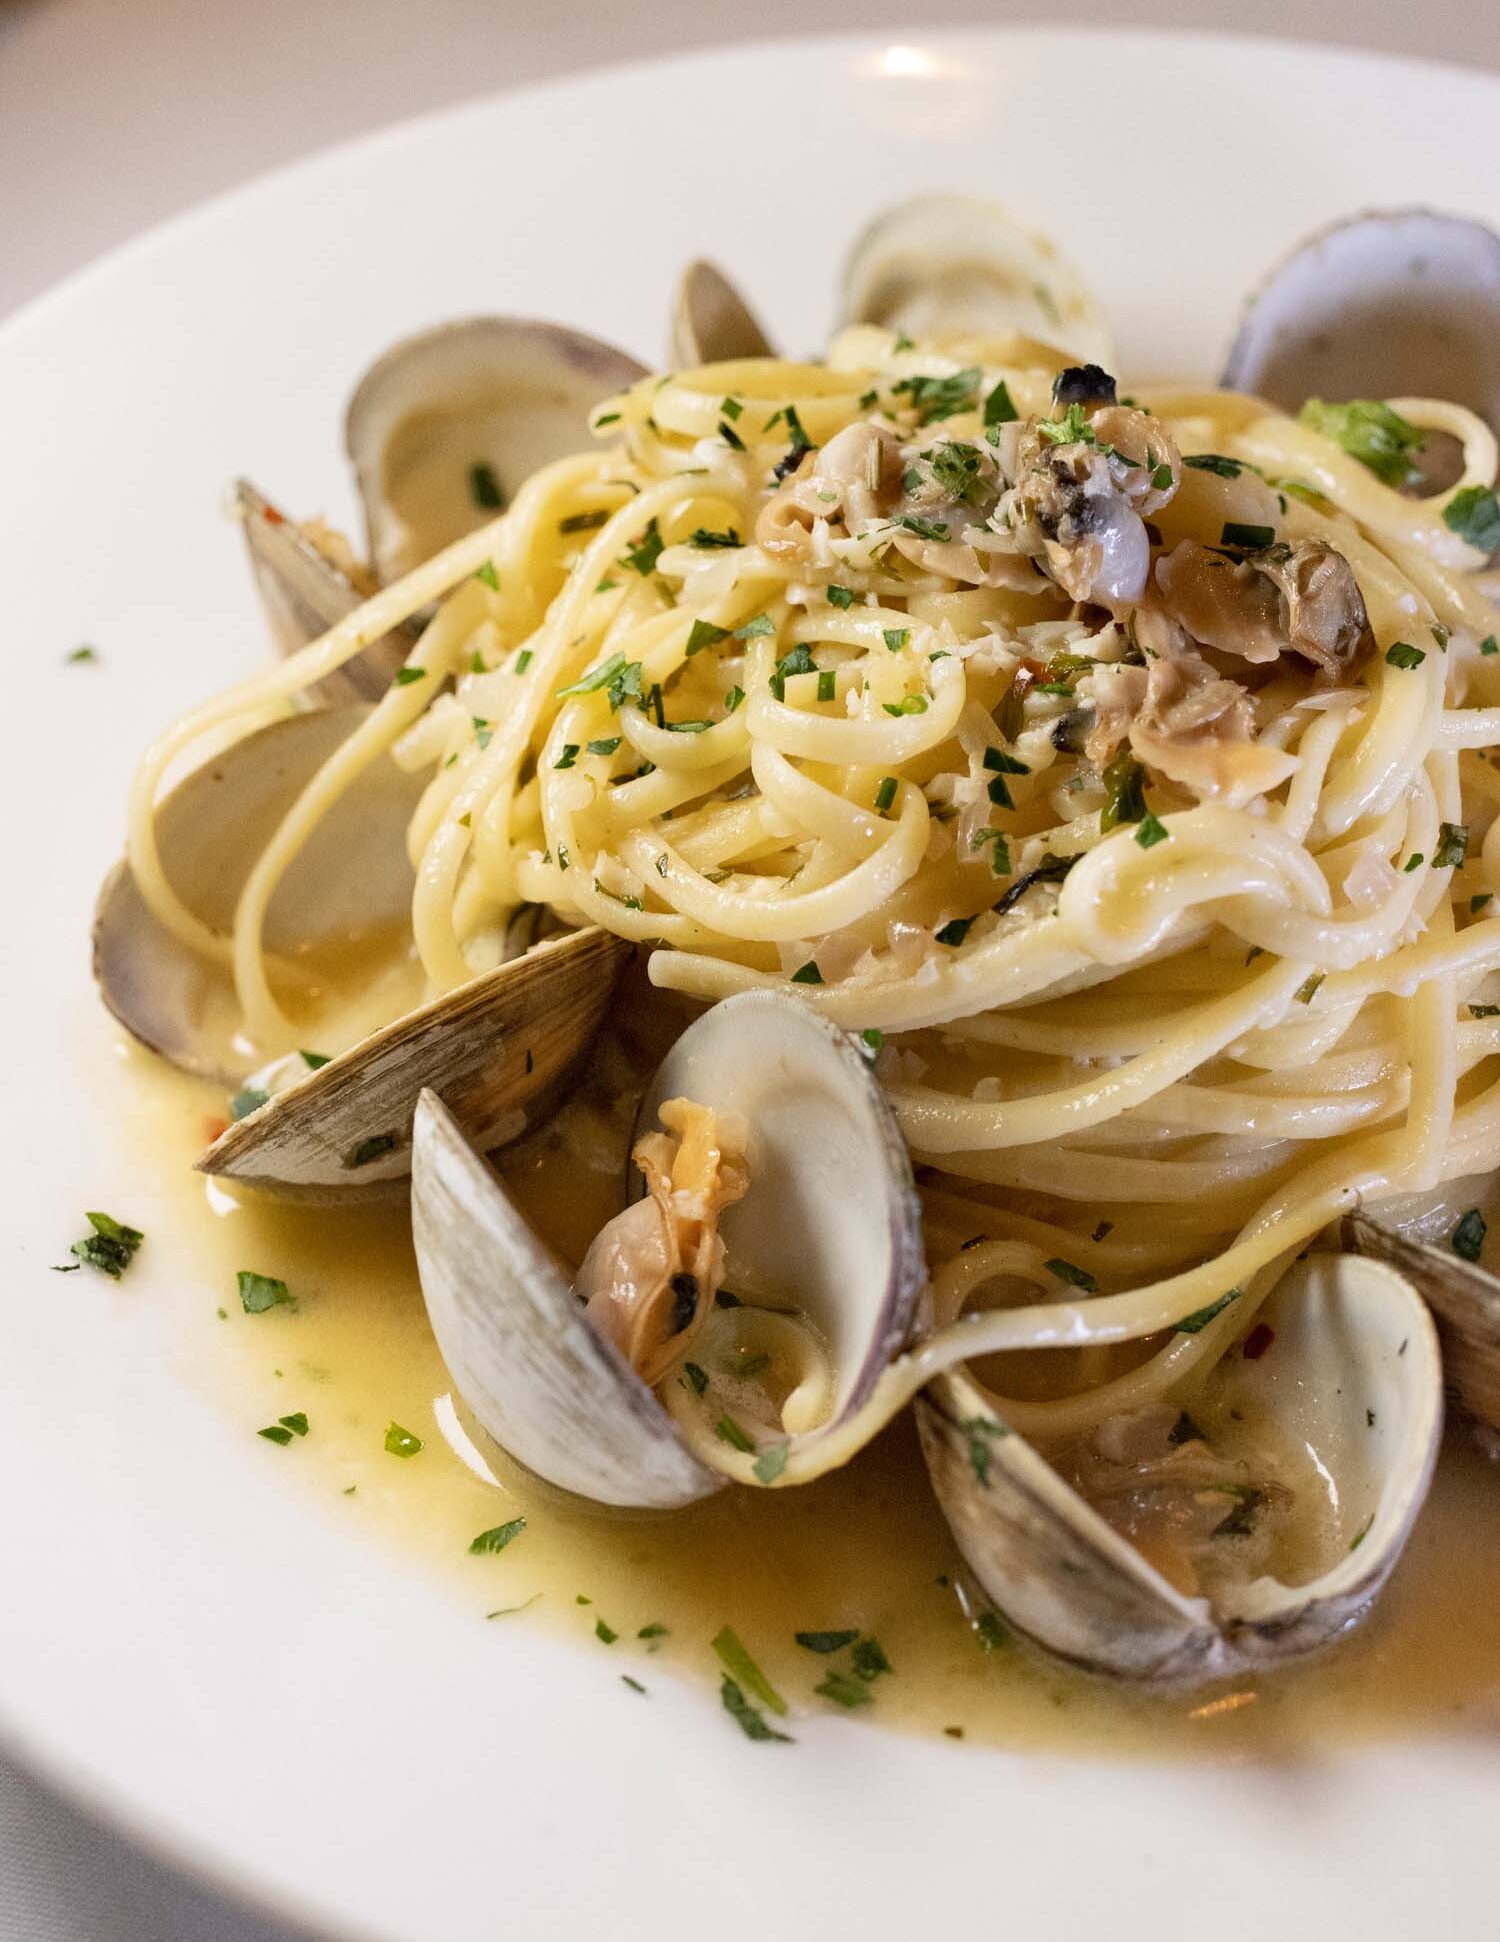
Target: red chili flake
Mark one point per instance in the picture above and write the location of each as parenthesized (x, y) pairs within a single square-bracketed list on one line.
[(1258, 1341), (272, 517), (213, 1125)]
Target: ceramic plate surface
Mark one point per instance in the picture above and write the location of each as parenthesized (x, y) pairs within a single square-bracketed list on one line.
[(219, 1660)]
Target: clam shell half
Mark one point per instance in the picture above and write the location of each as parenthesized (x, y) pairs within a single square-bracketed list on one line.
[(956, 266), (1354, 1374), (830, 1225)]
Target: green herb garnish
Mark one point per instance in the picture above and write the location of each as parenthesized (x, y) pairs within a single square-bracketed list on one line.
[(1452, 846), (645, 550), (752, 1723), (489, 1542), (1371, 432), (110, 1248), (249, 1099), (1252, 539), (400, 1442), (825, 1642), (484, 487), (1075, 1276), (743, 1669), (1474, 514), (1200, 1318), (260, 1292), (1468, 1237)]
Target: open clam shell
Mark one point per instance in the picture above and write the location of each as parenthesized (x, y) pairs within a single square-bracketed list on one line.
[(306, 585), (498, 1047), (447, 425), (1354, 1376), (1465, 1300), (1388, 304), (352, 877), (829, 1225), (956, 266), (711, 321)]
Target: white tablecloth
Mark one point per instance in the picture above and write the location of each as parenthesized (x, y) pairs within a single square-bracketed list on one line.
[(112, 116)]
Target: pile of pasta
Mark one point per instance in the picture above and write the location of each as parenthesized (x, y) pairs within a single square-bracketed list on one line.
[(1143, 1043)]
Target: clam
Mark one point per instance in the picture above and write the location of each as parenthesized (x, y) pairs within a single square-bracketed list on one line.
[(350, 879), (447, 425), (1465, 1301), (500, 1048), (1399, 303), (307, 579), (823, 1245), (711, 322), (956, 266), (1292, 1505)]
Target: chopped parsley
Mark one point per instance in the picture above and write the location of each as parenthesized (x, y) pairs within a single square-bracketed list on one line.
[(825, 1642), (729, 1431), (406, 676), (1075, 1276), (1149, 832), (935, 398), (314, 1061), (999, 849), (762, 624), (922, 528), (1489, 645), (634, 1684), (1124, 792), (260, 1292), (568, 757), (400, 1442), (1468, 1237), (730, 436), (705, 634), (606, 745), (1474, 514), (1252, 539), (844, 1690), (742, 1668), (1452, 846), (1214, 462), (885, 795), (1414, 862), (999, 407), (842, 597), (645, 550), (583, 522), (908, 705), (827, 684), (285, 1428), (1071, 429), (896, 638), (1308, 989), (954, 931), (957, 467), (605, 1633), (523, 660), (1200, 1318), (620, 677), (751, 1721), (110, 1248), (697, 1378), (703, 537), (1403, 655), (249, 1099), (733, 699), (1371, 432), (491, 579), (484, 487), (81, 656), (771, 1461), (489, 1542), (868, 1659), (807, 973)]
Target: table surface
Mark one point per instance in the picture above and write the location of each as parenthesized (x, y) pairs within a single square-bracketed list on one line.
[(114, 116)]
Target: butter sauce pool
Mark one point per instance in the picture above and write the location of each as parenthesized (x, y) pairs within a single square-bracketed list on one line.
[(863, 1549)]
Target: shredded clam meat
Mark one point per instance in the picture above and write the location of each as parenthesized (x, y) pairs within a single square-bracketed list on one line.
[(651, 1274)]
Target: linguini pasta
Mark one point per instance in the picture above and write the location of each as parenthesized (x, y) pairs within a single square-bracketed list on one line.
[(726, 688)]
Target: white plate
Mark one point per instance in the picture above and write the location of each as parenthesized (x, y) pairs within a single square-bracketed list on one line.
[(230, 1670)]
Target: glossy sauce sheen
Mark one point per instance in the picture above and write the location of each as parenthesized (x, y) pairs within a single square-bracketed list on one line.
[(864, 1548)]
